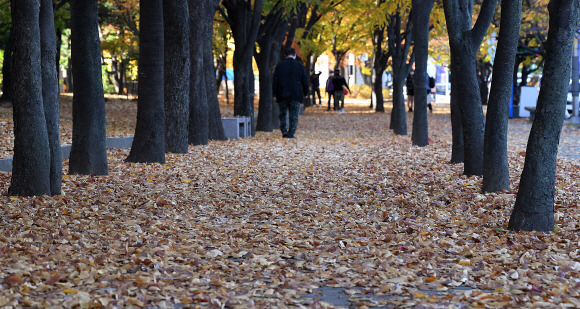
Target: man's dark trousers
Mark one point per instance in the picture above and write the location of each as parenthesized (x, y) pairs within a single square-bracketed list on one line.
[(294, 108)]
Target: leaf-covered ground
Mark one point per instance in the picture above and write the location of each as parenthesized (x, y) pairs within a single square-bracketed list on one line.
[(261, 222)]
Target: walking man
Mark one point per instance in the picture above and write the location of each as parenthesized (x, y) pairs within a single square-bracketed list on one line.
[(290, 86)]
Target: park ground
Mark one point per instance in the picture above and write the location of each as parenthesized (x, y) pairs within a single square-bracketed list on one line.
[(345, 215)]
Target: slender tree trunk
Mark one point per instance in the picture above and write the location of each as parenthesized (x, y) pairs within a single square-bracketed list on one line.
[(31, 163), (198, 105), (216, 129), (496, 175), (176, 74), (149, 141), (401, 68), (534, 207), (380, 62), (50, 92), (378, 88), (7, 71), (88, 152), (421, 13)]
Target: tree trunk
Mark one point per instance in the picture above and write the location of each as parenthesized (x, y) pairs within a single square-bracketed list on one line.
[(198, 105), (377, 75), (399, 52), (7, 71), (244, 22), (464, 42), (149, 141), (88, 151), (50, 93), (398, 114), (216, 129), (496, 175), (421, 13), (534, 207), (380, 62), (31, 163), (176, 74), (265, 104), (472, 120), (457, 147), (271, 30)]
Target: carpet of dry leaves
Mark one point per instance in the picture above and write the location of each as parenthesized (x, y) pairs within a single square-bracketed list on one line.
[(261, 222)]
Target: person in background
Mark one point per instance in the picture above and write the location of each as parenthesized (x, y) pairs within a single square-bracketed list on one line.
[(410, 91), (430, 92), (329, 88), (290, 86), (315, 87), (340, 87)]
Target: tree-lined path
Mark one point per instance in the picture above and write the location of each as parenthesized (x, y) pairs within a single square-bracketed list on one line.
[(260, 222)]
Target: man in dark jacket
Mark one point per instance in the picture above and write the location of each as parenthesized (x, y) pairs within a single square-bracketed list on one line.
[(290, 86)]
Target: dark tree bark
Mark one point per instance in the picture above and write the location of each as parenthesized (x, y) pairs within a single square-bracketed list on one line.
[(149, 141), (88, 152), (273, 23), (216, 129), (244, 18), (495, 157), (380, 63), (457, 147), (31, 162), (176, 74), (198, 104), (464, 42), (7, 71), (50, 92), (421, 13), (534, 207), (399, 45)]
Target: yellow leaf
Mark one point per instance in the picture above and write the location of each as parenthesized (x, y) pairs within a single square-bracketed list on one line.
[(498, 290), (70, 291)]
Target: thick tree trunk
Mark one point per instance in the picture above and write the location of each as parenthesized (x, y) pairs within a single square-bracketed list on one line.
[(457, 148), (464, 42), (398, 114), (534, 207), (496, 175), (176, 74), (265, 104), (7, 71), (216, 129), (421, 13), (31, 163), (149, 141), (244, 24), (198, 105), (50, 93), (472, 120), (88, 152)]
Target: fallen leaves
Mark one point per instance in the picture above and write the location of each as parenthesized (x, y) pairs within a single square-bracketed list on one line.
[(262, 222)]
